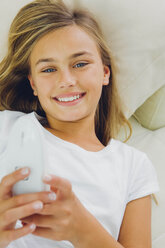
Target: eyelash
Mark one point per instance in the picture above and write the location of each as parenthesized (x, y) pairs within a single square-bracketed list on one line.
[(48, 70)]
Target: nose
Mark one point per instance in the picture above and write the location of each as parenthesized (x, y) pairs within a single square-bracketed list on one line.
[(66, 79)]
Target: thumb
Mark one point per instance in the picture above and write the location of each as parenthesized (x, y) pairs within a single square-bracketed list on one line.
[(61, 186)]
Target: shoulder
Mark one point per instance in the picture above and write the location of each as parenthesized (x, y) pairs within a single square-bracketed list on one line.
[(127, 151), (10, 114), (8, 117), (7, 120), (137, 170), (131, 154), (134, 163)]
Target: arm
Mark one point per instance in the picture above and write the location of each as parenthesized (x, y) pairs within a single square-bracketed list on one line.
[(67, 219), (93, 235), (135, 230)]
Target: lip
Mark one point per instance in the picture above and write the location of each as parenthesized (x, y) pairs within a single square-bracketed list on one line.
[(72, 94), (74, 102)]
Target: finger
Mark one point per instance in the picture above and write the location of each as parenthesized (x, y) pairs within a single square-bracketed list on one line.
[(8, 181), (9, 236), (19, 200), (15, 214), (47, 233), (63, 186), (58, 209), (40, 220)]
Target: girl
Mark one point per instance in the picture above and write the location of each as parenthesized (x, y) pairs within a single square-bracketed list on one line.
[(58, 73)]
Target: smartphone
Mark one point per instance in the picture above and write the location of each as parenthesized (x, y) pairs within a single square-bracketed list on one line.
[(25, 148)]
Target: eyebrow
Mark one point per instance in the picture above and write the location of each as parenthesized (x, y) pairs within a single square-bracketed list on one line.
[(75, 55)]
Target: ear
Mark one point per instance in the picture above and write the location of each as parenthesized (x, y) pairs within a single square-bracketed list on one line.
[(32, 85), (106, 75)]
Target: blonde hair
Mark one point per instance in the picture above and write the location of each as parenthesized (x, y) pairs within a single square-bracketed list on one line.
[(32, 22)]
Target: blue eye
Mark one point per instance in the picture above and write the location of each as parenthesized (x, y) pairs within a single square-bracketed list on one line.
[(49, 70), (79, 65), (83, 64)]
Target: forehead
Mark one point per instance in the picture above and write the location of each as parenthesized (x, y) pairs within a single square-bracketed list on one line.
[(65, 41)]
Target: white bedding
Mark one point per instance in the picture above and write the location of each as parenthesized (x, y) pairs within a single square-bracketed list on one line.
[(135, 31), (153, 144)]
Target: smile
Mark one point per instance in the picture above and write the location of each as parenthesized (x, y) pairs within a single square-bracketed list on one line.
[(69, 101)]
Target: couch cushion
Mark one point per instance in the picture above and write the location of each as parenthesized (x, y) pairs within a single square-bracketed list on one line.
[(8, 10), (135, 33), (151, 114), (153, 144)]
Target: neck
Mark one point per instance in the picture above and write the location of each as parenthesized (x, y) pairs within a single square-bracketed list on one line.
[(80, 132)]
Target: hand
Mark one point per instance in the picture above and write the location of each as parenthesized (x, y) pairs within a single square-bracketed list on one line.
[(13, 208), (63, 218)]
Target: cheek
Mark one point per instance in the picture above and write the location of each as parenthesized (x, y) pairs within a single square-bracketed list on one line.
[(94, 83), (44, 86), (93, 78)]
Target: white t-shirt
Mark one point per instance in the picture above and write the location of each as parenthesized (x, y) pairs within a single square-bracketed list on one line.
[(104, 181)]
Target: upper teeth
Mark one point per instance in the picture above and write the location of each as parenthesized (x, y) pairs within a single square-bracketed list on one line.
[(67, 99)]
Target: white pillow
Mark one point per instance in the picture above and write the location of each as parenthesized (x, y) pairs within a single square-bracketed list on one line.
[(135, 31), (8, 10), (153, 144), (151, 114)]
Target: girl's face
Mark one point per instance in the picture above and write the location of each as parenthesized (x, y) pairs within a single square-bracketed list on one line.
[(64, 64)]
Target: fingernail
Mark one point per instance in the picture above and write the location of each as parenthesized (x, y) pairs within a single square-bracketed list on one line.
[(25, 171), (52, 196), (47, 177), (32, 227), (38, 205)]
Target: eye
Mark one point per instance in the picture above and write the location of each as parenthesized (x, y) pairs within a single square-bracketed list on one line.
[(49, 70), (81, 64)]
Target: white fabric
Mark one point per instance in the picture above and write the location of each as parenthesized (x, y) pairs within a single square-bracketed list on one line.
[(104, 181), (135, 34), (8, 10), (153, 144)]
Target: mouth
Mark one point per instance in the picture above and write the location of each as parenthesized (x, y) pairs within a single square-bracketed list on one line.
[(69, 101)]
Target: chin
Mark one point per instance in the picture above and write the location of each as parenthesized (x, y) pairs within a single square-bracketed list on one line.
[(71, 118)]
